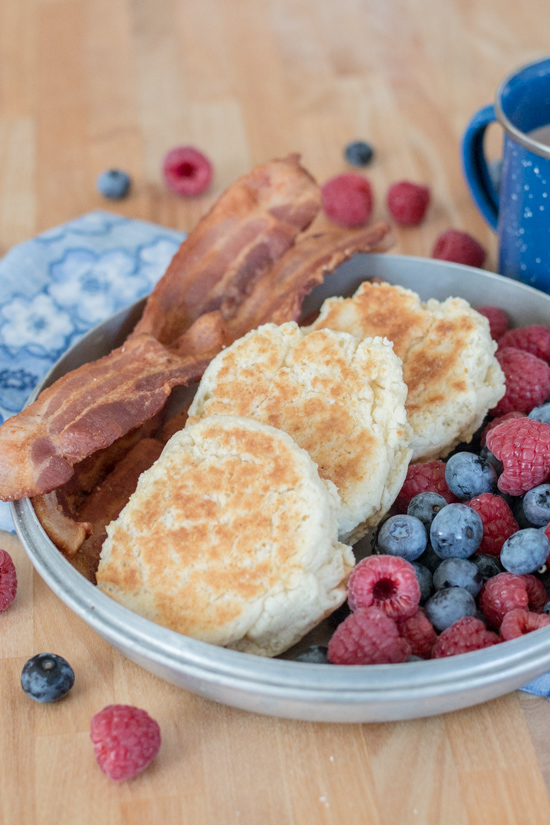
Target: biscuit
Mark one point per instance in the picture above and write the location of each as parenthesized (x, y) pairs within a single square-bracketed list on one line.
[(230, 538), (340, 399), (448, 359)]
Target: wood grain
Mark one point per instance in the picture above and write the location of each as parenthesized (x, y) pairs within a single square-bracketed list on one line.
[(91, 84)]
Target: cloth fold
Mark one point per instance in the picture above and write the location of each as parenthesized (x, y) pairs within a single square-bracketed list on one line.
[(60, 284)]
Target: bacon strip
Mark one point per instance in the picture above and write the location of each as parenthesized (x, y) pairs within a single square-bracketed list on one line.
[(86, 410), (107, 501), (65, 531), (278, 297), (248, 229)]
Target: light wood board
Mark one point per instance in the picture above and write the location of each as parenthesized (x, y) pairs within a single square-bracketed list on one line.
[(92, 84)]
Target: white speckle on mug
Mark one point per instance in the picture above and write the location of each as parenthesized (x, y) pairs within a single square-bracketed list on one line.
[(537, 260)]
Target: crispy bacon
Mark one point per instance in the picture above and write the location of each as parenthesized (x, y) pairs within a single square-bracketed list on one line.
[(86, 410), (107, 501), (66, 532), (279, 295), (247, 230)]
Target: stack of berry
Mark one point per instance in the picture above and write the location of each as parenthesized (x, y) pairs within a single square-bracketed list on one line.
[(462, 565)]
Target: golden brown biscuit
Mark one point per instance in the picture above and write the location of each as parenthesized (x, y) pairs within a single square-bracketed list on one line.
[(341, 400), (230, 538), (447, 353)]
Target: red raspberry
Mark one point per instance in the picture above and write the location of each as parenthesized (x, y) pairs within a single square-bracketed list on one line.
[(463, 636), (8, 580), (187, 171), (518, 622), (386, 582), (536, 593), (419, 632), (498, 522), (459, 247), (498, 320), (500, 594), (125, 740), (534, 339), (527, 380), (498, 420), (408, 202), (523, 447), (347, 199), (427, 477), (367, 637)]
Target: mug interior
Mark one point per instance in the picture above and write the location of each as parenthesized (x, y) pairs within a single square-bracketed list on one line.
[(523, 99)]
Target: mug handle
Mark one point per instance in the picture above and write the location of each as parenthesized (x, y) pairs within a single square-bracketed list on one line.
[(475, 166)]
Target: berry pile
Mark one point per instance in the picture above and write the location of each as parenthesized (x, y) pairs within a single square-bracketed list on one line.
[(462, 564)]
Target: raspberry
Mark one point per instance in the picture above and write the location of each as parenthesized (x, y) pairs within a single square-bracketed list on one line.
[(8, 580), (498, 320), (419, 632), (367, 637), (536, 593), (459, 247), (386, 582), (347, 200), (527, 380), (408, 202), (187, 171), (498, 522), (125, 740), (523, 447), (499, 420), (463, 636), (501, 594), (428, 477), (518, 622), (534, 339)]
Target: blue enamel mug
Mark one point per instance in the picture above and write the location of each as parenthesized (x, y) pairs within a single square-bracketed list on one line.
[(520, 210)]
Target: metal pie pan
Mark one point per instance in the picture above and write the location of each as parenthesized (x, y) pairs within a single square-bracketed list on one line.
[(279, 687)]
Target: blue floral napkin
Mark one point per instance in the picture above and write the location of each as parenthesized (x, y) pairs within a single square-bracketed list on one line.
[(57, 286)]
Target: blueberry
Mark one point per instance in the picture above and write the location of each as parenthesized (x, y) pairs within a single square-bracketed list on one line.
[(536, 505), (546, 608), (425, 506), (403, 536), (487, 565), (525, 551), (516, 506), (541, 413), (456, 532), (338, 616), (458, 573), (359, 153), (425, 580), (429, 559), (113, 184), (468, 475), (449, 605), (315, 655), (47, 677), (488, 456)]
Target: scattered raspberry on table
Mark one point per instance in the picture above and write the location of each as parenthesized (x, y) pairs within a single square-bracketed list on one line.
[(125, 740), (187, 171), (8, 580), (458, 247), (408, 202), (348, 200)]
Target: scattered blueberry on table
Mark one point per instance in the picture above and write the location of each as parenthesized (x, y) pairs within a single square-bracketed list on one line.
[(113, 184), (47, 677)]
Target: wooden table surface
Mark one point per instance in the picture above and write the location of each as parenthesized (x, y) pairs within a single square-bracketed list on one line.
[(91, 84)]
